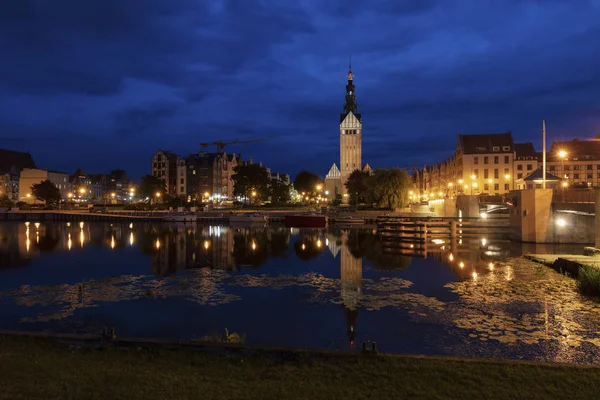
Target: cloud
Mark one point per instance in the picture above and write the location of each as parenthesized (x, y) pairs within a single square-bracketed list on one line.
[(180, 72)]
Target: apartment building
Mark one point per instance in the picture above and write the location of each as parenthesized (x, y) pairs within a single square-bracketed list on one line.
[(165, 166), (577, 161)]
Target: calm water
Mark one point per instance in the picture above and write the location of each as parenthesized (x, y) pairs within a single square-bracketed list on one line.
[(327, 288)]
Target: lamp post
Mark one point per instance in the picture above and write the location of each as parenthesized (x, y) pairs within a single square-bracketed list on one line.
[(562, 154)]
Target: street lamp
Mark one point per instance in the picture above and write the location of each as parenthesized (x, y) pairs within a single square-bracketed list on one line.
[(562, 154)]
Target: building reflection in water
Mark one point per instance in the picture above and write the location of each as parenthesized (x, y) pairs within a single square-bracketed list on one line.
[(351, 285)]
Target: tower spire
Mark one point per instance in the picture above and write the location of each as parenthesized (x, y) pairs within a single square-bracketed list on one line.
[(351, 104)]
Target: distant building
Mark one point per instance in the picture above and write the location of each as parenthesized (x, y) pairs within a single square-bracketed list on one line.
[(165, 165), (580, 165), (526, 161), (11, 165), (119, 184), (30, 176), (481, 164)]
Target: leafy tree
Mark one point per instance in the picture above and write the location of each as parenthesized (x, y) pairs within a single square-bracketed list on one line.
[(250, 178), (46, 191), (279, 191), (357, 186), (390, 187), (5, 202), (307, 182), (150, 186)]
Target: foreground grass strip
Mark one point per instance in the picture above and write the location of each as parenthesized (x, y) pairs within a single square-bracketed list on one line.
[(38, 369)]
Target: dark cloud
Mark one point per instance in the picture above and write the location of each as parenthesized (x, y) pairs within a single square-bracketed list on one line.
[(83, 79)]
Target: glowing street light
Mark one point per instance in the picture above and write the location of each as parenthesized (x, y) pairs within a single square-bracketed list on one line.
[(319, 187)]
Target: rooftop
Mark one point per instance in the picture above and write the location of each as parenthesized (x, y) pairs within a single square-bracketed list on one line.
[(15, 160), (485, 143)]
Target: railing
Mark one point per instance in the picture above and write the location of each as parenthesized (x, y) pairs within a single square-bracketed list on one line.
[(394, 228), (570, 195)]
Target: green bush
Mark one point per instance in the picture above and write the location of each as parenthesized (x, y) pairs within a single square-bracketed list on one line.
[(588, 280)]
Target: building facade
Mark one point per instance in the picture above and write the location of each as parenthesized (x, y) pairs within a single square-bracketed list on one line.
[(481, 164), (11, 165), (165, 165), (577, 162), (31, 176)]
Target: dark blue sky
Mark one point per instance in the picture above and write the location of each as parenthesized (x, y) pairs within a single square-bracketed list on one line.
[(102, 84)]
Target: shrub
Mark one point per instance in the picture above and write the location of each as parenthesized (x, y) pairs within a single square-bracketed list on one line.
[(588, 280)]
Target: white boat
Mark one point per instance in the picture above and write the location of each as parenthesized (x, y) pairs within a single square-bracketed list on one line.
[(180, 217), (248, 218), (349, 220)]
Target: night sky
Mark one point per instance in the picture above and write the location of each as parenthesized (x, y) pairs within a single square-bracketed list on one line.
[(102, 84)]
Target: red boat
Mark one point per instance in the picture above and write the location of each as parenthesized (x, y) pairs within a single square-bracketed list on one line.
[(305, 221)]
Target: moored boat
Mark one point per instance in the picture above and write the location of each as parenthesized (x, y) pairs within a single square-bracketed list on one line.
[(348, 220), (180, 217), (250, 217)]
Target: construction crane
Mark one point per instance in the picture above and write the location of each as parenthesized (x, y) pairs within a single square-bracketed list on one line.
[(221, 145)]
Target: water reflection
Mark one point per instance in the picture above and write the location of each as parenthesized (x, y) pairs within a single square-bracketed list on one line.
[(364, 286)]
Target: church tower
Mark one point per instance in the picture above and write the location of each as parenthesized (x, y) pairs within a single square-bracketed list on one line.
[(350, 135)]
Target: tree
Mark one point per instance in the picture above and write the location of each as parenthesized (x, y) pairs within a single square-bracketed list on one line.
[(390, 187), (249, 179), (280, 192), (307, 182), (150, 186), (5, 202), (46, 191), (357, 186)]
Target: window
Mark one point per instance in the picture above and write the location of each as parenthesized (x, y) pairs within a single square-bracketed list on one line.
[(485, 174), (519, 176), (496, 148), (496, 159), (529, 167), (505, 171), (576, 167), (181, 189), (589, 175), (476, 173), (590, 167), (520, 167), (475, 160), (506, 148), (551, 168), (496, 173), (486, 187), (506, 186), (506, 160), (576, 175), (181, 181), (485, 159), (496, 187)]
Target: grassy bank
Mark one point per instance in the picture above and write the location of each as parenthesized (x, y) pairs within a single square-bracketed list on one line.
[(36, 369)]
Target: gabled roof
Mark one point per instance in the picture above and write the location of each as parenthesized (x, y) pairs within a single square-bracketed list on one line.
[(118, 174), (538, 174), (17, 160), (334, 172), (344, 115), (525, 150), (367, 168), (484, 143)]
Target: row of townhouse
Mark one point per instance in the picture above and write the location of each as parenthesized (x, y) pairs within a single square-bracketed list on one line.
[(493, 164)]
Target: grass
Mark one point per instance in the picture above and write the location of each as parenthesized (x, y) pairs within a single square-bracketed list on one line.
[(232, 338), (588, 280), (38, 369)]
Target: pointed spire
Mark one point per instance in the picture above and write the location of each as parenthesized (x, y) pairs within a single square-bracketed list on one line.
[(349, 67)]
